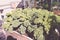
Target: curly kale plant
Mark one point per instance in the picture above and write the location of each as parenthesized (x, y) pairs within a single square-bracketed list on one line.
[(31, 20)]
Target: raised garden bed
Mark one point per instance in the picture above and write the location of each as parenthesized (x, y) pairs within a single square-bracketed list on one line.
[(16, 36), (38, 24)]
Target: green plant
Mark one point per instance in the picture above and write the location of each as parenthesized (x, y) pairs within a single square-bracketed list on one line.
[(31, 20), (57, 18), (55, 3), (45, 5)]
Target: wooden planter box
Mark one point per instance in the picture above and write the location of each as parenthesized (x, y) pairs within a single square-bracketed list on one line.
[(16, 35)]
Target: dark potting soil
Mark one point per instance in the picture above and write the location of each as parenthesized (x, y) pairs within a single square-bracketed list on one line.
[(11, 38)]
